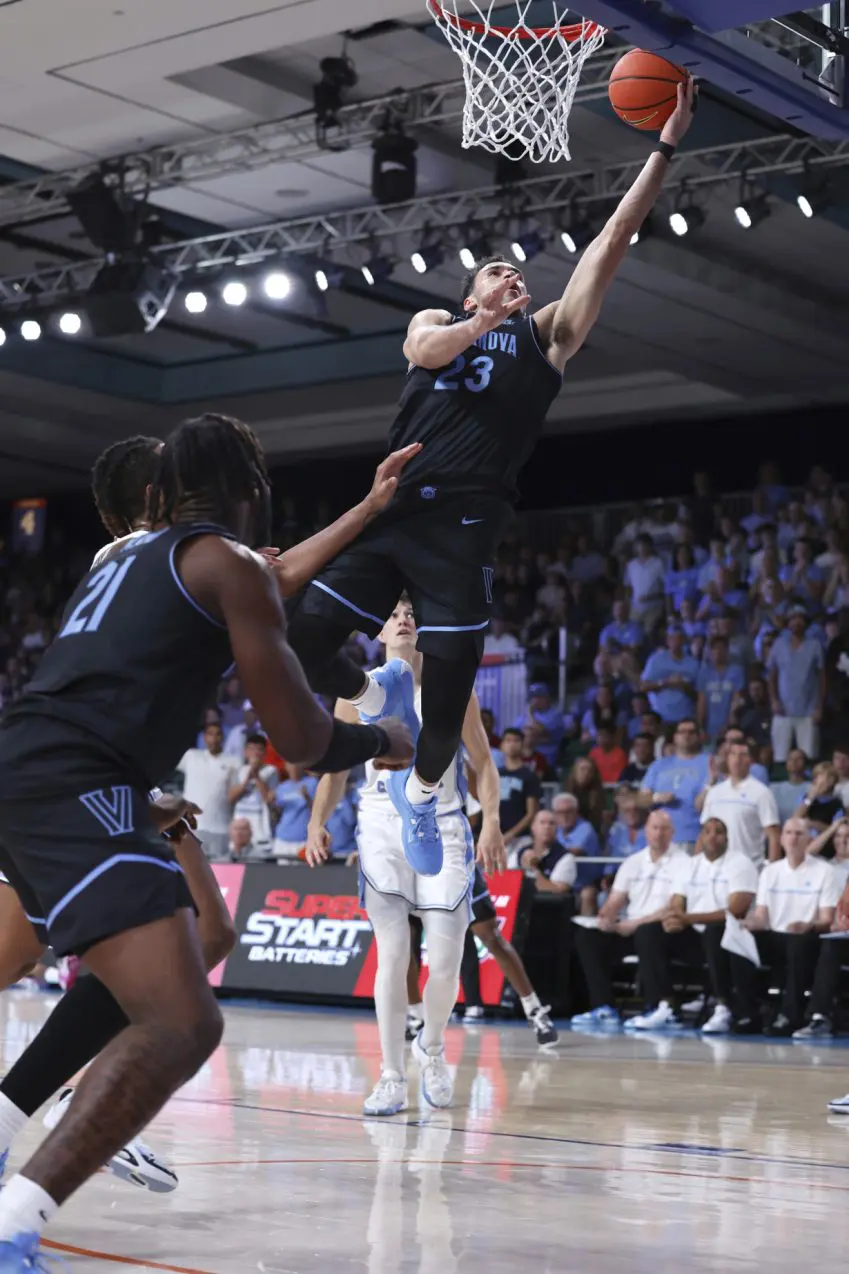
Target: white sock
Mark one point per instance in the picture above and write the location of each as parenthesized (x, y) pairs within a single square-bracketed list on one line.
[(530, 1003), (417, 791), (12, 1120), (24, 1208), (416, 1010), (371, 698)]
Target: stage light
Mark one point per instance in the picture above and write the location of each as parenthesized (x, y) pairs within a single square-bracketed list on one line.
[(30, 330), (277, 286), (234, 293), (427, 258), (577, 233), (475, 250), (331, 276), (467, 258), (2, 336), (70, 324), (686, 218), (394, 166), (814, 197), (751, 212), (377, 270), (195, 302), (527, 246)]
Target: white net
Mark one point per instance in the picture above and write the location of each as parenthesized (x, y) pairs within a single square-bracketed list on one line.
[(520, 80)]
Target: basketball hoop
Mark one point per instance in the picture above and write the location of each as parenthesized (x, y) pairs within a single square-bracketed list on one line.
[(520, 80)]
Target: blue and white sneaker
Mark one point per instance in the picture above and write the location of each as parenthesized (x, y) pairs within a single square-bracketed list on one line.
[(839, 1106), (420, 834), (437, 1084), (603, 1019), (663, 1018), (389, 1096), (396, 678), (21, 1255)]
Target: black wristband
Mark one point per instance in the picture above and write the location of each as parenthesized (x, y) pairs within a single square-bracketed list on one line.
[(666, 149), (351, 745)]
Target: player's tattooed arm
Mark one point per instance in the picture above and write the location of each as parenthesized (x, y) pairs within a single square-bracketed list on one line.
[(565, 324), (298, 565)]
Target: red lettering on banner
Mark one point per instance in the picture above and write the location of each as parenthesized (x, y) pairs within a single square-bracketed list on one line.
[(285, 902)]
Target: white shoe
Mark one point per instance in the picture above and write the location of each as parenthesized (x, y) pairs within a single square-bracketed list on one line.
[(136, 1163), (389, 1096), (437, 1084), (840, 1105), (414, 1025), (474, 1013), (719, 1022), (694, 1006), (660, 1019)]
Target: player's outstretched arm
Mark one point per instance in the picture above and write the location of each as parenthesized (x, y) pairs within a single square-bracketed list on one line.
[(491, 851), (233, 585), (565, 324), (328, 794), (298, 565)]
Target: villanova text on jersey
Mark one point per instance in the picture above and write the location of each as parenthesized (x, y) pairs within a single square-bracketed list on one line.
[(480, 417)]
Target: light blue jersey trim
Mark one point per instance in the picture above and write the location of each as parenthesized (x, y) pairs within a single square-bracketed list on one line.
[(453, 628), (215, 622), (98, 871), (339, 598)]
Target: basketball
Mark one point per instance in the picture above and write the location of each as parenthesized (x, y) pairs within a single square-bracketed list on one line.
[(643, 89)]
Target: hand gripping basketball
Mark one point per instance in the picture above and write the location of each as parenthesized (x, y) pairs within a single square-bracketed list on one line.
[(682, 117)]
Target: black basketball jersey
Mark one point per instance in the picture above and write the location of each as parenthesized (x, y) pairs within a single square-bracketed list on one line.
[(136, 659), (479, 418)]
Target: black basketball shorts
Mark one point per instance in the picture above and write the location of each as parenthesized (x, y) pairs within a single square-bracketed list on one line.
[(482, 905), (76, 839), (440, 546)]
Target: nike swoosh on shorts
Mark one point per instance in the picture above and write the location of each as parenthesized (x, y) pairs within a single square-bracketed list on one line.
[(469, 521)]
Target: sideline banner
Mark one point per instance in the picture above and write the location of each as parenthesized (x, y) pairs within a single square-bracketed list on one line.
[(303, 932)]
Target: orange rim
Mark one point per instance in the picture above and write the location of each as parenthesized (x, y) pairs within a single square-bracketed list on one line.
[(570, 33)]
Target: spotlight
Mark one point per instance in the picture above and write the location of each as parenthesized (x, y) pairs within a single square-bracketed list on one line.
[(577, 233), (752, 211), (128, 297), (393, 166), (30, 330), (234, 293), (331, 277), (70, 324), (428, 257), (2, 336), (473, 251), (337, 73), (814, 197), (685, 218), (277, 286), (195, 302), (377, 270), (527, 246)]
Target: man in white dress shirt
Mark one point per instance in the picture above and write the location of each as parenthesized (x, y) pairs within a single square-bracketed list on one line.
[(746, 807), (795, 903), (645, 882), (712, 883)]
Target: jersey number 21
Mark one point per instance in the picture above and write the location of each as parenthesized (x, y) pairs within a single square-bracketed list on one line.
[(100, 589)]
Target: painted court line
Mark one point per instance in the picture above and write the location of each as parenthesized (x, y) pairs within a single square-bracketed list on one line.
[(135, 1261)]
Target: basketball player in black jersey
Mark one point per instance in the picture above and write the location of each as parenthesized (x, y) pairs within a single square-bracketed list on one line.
[(478, 388), (115, 703)]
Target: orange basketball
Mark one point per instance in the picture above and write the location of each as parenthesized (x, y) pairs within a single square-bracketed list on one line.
[(643, 89)]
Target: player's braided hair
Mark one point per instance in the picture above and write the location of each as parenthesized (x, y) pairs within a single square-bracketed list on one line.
[(119, 482), (208, 463)]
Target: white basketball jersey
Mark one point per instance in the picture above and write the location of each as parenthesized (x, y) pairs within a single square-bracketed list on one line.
[(451, 794), (107, 548)]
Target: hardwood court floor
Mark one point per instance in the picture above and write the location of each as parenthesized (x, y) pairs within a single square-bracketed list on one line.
[(610, 1154)]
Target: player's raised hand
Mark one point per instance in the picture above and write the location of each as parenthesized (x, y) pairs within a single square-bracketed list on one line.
[(491, 854), (317, 848), (167, 811), (682, 117), (496, 306), (386, 478), (401, 746)]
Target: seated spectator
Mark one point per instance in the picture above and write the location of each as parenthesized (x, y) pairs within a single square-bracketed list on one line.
[(675, 782), (574, 831), (651, 724), (231, 706), (627, 833), (831, 957), (722, 594), (623, 632), (769, 482), (234, 744), (753, 521), (552, 595), (836, 595), (670, 676), (587, 564), (293, 800), (802, 579), (645, 883), (639, 706), (695, 630), (840, 761), (608, 756), (790, 792), (547, 860), (207, 777), (719, 681), (753, 714), (544, 723), (539, 639), (795, 903), (710, 884), (710, 570), (644, 576), (836, 695), (499, 641), (835, 548), (342, 824), (531, 758), (821, 806), (584, 782), (241, 846), (488, 723), (642, 756), (746, 807), (681, 583), (520, 788), (797, 688), (252, 792), (603, 714)]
